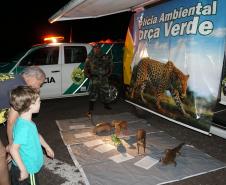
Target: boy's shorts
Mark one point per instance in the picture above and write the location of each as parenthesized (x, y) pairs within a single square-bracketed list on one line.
[(15, 175)]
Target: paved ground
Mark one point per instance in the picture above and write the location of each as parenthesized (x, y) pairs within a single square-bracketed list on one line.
[(52, 110)]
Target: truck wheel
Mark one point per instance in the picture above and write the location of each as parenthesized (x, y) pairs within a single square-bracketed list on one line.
[(224, 90), (114, 91)]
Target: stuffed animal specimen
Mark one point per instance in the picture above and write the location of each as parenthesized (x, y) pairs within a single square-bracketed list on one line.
[(170, 155), (119, 126), (141, 139), (102, 127)]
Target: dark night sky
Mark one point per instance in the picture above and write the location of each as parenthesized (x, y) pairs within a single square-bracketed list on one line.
[(23, 23)]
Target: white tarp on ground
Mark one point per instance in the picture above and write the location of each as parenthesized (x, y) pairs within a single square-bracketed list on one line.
[(122, 165)]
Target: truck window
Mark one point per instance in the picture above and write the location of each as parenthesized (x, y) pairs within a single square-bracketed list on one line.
[(74, 54), (41, 56)]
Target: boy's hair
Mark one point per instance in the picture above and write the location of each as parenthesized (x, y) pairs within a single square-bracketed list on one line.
[(22, 97)]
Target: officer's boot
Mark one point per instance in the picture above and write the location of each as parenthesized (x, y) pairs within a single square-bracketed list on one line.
[(106, 106), (91, 106)]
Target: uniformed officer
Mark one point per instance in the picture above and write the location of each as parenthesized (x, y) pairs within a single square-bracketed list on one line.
[(98, 67)]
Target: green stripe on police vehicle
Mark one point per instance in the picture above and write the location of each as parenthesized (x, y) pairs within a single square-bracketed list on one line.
[(79, 80), (78, 76)]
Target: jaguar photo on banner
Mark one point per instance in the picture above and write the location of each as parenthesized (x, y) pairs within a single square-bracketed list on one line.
[(173, 60)]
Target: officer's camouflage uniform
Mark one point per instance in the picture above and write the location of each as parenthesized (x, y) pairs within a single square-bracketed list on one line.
[(98, 67)]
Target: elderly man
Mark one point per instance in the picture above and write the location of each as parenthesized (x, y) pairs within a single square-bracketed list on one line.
[(32, 76)]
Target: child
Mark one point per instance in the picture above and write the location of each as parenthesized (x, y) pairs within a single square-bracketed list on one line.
[(26, 148)]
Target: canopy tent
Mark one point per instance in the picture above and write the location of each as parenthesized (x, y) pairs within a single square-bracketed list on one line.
[(83, 9)]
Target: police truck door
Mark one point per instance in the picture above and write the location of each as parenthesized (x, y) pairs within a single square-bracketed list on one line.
[(48, 59), (73, 79)]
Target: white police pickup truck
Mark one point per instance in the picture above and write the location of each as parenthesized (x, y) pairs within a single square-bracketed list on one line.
[(63, 64)]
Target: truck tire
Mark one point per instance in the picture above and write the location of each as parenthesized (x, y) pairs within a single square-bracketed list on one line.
[(114, 91)]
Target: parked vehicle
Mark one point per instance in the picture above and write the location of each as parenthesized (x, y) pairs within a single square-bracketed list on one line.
[(63, 64)]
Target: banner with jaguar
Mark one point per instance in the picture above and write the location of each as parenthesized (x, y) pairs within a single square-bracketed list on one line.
[(173, 60)]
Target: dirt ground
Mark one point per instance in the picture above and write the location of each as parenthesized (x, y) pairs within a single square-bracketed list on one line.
[(67, 108)]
